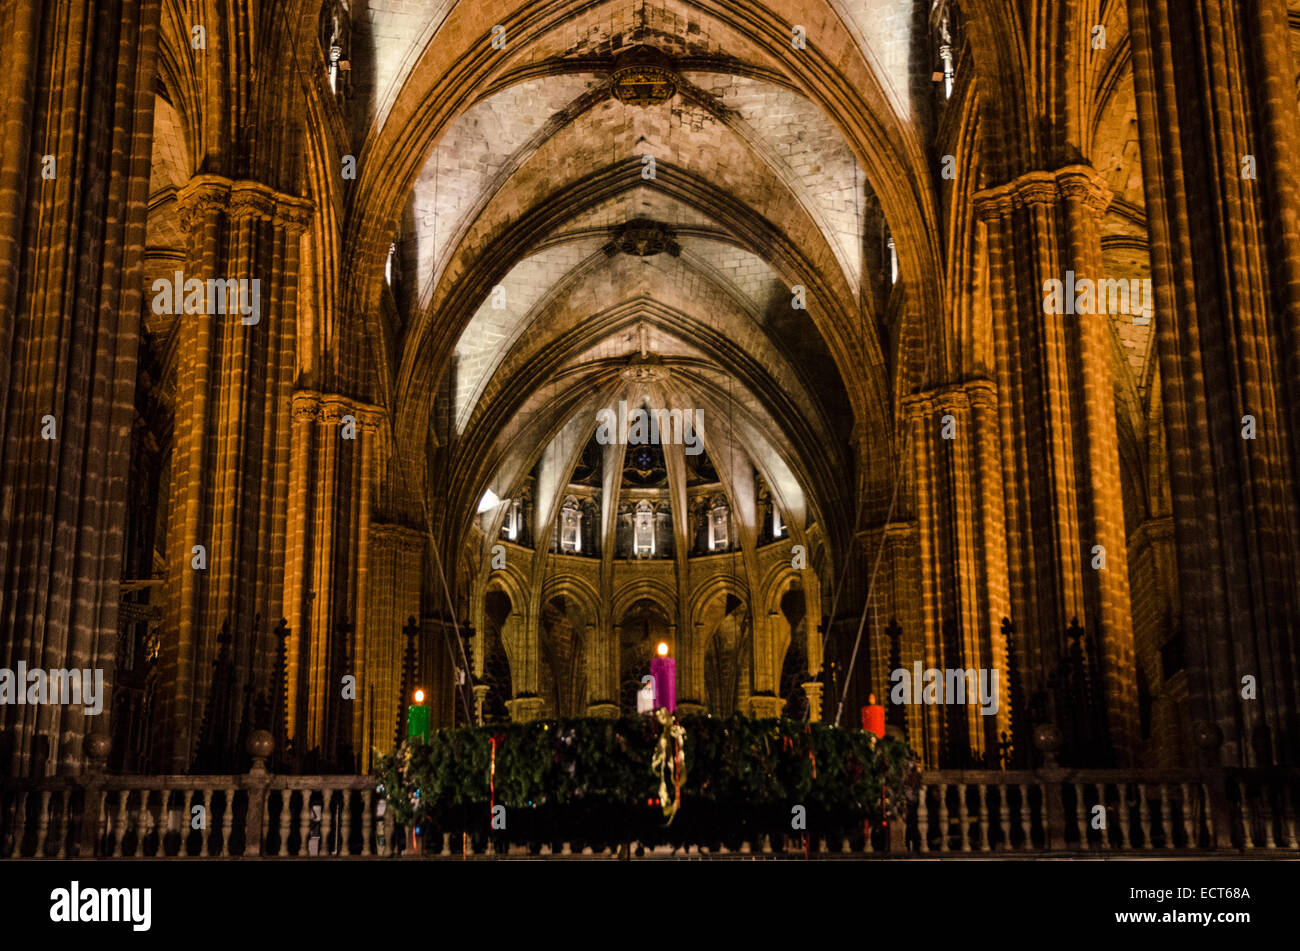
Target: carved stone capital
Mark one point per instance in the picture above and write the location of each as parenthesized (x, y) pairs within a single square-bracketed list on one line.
[(992, 204), (206, 195), (332, 407), (1084, 183), (1035, 188), (1072, 182), (964, 395)]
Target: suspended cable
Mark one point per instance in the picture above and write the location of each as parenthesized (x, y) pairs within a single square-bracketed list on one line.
[(871, 584)]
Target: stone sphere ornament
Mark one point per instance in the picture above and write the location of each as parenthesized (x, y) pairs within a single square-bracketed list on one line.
[(96, 748), (260, 745)]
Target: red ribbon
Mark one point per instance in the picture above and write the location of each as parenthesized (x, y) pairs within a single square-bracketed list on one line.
[(812, 754)]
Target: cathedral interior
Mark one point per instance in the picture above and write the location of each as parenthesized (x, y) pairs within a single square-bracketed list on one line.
[(330, 334)]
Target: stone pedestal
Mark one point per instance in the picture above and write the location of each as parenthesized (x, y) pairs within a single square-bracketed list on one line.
[(813, 691), (480, 698), (524, 709)]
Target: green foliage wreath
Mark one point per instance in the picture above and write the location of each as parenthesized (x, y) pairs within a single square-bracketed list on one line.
[(590, 781)]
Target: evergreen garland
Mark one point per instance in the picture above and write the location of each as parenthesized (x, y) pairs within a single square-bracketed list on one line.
[(590, 781)]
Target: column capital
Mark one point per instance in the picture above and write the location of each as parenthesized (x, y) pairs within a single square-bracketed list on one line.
[(964, 395), (332, 407), (205, 194), (1074, 182)]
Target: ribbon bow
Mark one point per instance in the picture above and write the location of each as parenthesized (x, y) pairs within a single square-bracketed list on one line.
[(662, 759)]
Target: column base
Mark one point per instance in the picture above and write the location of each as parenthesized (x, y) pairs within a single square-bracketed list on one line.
[(766, 707), (608, 711), (813, 691), (524, 709)]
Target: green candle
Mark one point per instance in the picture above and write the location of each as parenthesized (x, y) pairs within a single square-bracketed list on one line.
[(417, 722)]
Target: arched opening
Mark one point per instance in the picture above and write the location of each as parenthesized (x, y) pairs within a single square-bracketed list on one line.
[(728, 660), (563, 656), (794, 669), (640, 631), (496, 676)]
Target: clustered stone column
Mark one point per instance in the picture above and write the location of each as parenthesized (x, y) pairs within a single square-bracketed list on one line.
[(1220, 140), (230, 471), (396, 567), (1059, 449), (961, 538), (327, 569), (77, 111)]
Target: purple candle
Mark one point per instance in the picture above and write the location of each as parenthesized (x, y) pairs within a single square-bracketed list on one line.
[(664, 671)]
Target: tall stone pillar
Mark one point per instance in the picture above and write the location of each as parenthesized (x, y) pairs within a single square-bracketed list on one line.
[(1221, 171), (957, 483), (392, 593), (334, 445), (77, 111), (890, 553), (1059, 448), (602, 686), (230, 474)]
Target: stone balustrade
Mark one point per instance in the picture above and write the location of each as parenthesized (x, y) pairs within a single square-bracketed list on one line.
[(1049, 811)]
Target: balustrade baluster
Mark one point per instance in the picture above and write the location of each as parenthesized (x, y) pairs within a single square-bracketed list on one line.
[(1166, 817), (1267, 815), (164, 820), (304, 823), (326, 822), (119, 824), (207, 798), (62, 823), (286, 800), (982, 799), (146, 823), (1026, 819), (1288, 814), (227, 818), (1144, 815), (962, 817), (141, 818), (943, 817), (349, 821), (1209, 813), (101, 825), (1121, 793), (366, 823), (1083, 817), (923, 819), (19, 828), (1247, 836), (1004, 819), (1191, 809), (42, 825)]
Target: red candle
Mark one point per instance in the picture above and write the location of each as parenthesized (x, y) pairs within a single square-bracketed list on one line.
[(664, 672), (873, 717)]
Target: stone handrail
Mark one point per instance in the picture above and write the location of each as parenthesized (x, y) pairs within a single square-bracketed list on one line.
[(1051, 810)]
